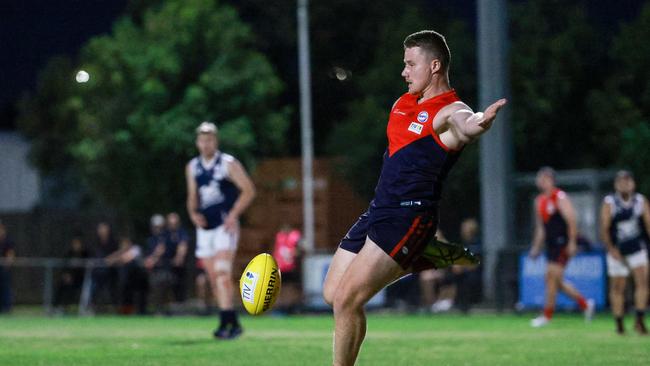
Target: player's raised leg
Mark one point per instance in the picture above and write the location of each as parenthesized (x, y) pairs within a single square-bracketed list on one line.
[(340, 263), (370, 271)]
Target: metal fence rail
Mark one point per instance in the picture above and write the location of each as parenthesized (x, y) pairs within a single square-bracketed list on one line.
[(49, 265)]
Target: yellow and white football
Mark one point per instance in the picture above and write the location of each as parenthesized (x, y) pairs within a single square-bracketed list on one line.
[(260, 283)]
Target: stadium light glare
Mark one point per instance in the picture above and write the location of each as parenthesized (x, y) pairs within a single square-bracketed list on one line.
[(82, 76)]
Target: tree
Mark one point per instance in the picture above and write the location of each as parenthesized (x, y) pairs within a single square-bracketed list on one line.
[(623, 106), (554, 54), (130, 129)]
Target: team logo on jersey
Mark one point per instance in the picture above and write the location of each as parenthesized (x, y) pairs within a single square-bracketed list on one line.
[(550, 208), (416, 127), (423, 116)]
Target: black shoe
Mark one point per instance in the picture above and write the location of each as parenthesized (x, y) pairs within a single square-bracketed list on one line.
[(221, 333), (444, 254), (235, 332)]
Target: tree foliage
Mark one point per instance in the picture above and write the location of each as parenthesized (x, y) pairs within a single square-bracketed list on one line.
[(623, 106), (130, 129)]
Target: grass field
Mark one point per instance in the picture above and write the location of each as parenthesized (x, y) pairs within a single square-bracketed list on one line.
[(306, 340)]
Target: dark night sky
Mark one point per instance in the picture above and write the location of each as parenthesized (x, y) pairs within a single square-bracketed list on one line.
[(32, 31)]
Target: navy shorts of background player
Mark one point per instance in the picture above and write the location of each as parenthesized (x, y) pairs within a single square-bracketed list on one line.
[(403, 216)]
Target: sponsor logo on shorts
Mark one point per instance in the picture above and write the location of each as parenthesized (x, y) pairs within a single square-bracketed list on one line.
[(416, 127), (423, 116), (248, 288)]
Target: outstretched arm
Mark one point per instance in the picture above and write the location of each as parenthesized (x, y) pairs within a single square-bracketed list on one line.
[(469, 125)]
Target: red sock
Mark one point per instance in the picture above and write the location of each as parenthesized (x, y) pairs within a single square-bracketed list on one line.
[(548, 313), (582, 303)]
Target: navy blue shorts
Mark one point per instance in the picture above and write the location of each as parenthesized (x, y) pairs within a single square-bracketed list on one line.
[(401, 232), (557, 254)]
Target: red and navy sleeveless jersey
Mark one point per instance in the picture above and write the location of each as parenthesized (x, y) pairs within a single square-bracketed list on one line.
[(555, 227), (416, 162)]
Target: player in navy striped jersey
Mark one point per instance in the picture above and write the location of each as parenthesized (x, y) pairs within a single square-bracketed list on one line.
[(625, 228), (218, 192)]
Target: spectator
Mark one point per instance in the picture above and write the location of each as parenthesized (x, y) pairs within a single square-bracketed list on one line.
[(7, 254), (436, 288), (287, 253), (132, 278), (104, 278), (468, 279), (72, 278), (176, 249), (158, 264)]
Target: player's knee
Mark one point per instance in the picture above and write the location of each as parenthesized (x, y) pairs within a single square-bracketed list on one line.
[(345, 301), (328, 294), (222, 268)]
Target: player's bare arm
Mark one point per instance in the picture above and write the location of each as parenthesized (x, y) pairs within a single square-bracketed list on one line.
[(569, 214), (538, 236), (605, 225), (246, 187), (646, 215), (466, 126), (193, 200)]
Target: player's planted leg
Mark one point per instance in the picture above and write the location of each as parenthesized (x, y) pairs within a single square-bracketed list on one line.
[(640, 298), (229, 326)]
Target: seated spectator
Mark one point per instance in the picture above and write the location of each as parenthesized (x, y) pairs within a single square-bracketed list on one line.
[(132, 279), (104, 279), (468, 279), (158, 264), (7, 254), (287, 253), (435, 288), (69, 287), (176, 248)]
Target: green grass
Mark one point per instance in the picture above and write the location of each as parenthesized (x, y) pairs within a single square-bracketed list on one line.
[(391, 340)]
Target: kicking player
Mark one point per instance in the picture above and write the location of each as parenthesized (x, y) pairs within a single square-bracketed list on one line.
[(218, 192), (427, 129), (625, 228), (555, 225)]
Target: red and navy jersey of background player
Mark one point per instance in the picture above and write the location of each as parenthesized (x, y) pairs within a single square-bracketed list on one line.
[(216, 193), (416, 162), (627, 230), (555, 227)]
